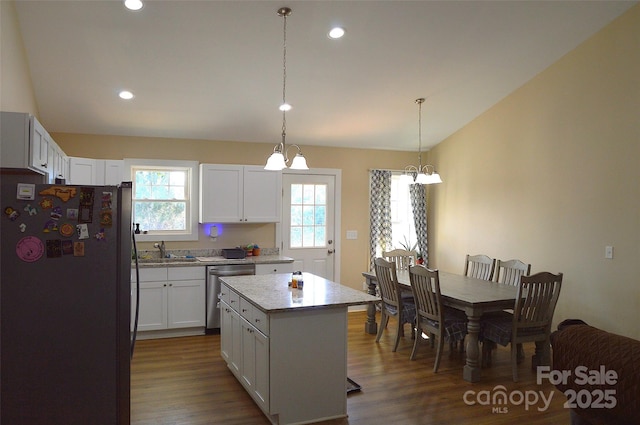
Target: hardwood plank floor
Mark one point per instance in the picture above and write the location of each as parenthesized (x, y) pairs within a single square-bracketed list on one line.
[(185, 381)]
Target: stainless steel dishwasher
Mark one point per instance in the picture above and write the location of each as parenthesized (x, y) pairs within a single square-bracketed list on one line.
[(213, 289)]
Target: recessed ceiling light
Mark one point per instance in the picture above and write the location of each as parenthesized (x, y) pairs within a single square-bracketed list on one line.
[(126, 95), (133, 4), (336, 33)]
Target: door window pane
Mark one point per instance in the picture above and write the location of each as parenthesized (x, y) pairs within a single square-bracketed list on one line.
[(308, 216)]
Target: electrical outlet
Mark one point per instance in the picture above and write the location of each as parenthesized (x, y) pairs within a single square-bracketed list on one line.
[(608, 252)]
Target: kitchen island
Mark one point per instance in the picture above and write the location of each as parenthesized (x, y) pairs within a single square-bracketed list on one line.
[(287, 346)]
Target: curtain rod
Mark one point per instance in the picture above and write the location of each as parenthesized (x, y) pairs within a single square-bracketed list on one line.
[(386, 169)]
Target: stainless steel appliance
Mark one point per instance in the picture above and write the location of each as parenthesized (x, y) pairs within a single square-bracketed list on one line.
[(66, 304), (213, 289)]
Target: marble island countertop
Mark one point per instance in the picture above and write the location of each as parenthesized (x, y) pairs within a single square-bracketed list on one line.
[(271, 293)]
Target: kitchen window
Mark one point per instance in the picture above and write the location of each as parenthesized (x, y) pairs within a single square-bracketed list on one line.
[(165, 201)]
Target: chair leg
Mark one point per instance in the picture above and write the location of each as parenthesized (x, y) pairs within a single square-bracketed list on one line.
[(415, 343), (399, 333), (520, 353), (384, 319), (438, 353), (514, 361), (487, 348)]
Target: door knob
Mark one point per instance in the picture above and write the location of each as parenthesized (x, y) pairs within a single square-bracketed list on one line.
[(331, 251)]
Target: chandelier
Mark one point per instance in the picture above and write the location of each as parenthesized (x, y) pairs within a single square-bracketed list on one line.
[(421, 174), (279, 159)]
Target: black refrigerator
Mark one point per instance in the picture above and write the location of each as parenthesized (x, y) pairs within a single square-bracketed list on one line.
[(65, 304)]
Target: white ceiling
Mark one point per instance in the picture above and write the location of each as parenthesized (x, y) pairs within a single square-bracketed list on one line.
[(213, 69)]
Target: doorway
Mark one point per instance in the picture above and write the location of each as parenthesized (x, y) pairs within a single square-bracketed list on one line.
[(311, 221)]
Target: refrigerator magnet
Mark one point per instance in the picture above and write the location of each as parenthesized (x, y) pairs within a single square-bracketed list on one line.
[(67, 230), (29, 249), (46, 203), (100, 236), (78, 249), (31, 210), (11, 213), (54, 248), (67, 247), (105, 218), (83, 231)]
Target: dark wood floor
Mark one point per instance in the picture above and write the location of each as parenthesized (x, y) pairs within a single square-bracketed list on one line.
[(185, 381)]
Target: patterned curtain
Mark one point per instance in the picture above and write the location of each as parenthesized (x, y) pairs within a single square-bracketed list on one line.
[(379, 213), (419, 207)]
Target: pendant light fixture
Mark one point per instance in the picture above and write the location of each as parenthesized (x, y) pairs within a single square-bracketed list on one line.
[(421, 174), (279, 159)]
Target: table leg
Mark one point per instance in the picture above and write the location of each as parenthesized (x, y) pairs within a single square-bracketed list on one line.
[(471, 371), (371, 327)]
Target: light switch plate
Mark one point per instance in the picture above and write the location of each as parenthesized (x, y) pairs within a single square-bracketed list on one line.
[(352, 234), (608, 252)]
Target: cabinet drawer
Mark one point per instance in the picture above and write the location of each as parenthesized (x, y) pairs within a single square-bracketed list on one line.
[(186, 273), (274, 268), (234, 300), (260, 321), (225, 294), (246, 310), (151, 274)]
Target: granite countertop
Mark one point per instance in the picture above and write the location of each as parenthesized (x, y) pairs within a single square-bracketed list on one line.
[(211, 261), (271, 293)]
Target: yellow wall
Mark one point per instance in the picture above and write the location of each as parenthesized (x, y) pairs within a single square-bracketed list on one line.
[(550, 175), (15, 81)]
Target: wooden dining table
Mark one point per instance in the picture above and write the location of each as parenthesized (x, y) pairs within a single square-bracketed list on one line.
[(473, 296)]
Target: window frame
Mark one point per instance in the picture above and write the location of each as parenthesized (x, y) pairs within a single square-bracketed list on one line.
[(192, 232)]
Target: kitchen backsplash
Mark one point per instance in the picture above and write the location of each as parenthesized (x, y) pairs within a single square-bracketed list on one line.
[(155, 253)]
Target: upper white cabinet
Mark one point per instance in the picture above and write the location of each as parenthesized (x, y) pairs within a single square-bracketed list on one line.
[(239, 193), (26, 144), (95, 171), (82, 171)]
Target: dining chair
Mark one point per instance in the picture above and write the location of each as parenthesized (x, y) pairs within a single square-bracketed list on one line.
[(479, 266), (394, 302), (535, 304), (401, 257), (510, 271), (432, 318)]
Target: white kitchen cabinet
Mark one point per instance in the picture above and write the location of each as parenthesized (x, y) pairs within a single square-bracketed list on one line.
[(82, 171), (170, 298), (239, 193), (95, 171), (109, 172), (58, 163), (274, 268), (25, 143)]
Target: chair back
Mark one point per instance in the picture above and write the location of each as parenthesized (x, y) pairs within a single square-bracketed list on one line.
[(536, 301), (479, 266), (425, 284), (402, 258), (388, 282), (509, 272)]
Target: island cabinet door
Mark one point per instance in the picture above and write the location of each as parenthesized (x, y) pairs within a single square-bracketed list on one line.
[(236, 344), (248, 367), (261, 387), (255, 364), (226, 334)]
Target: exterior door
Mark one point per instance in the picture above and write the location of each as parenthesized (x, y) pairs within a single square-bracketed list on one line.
[(308, 224)]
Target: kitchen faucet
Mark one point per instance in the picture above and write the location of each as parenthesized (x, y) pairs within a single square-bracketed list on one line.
[(160, 246)]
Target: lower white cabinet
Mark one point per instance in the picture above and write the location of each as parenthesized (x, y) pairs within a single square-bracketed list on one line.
[(244, 346), (170, 298)]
